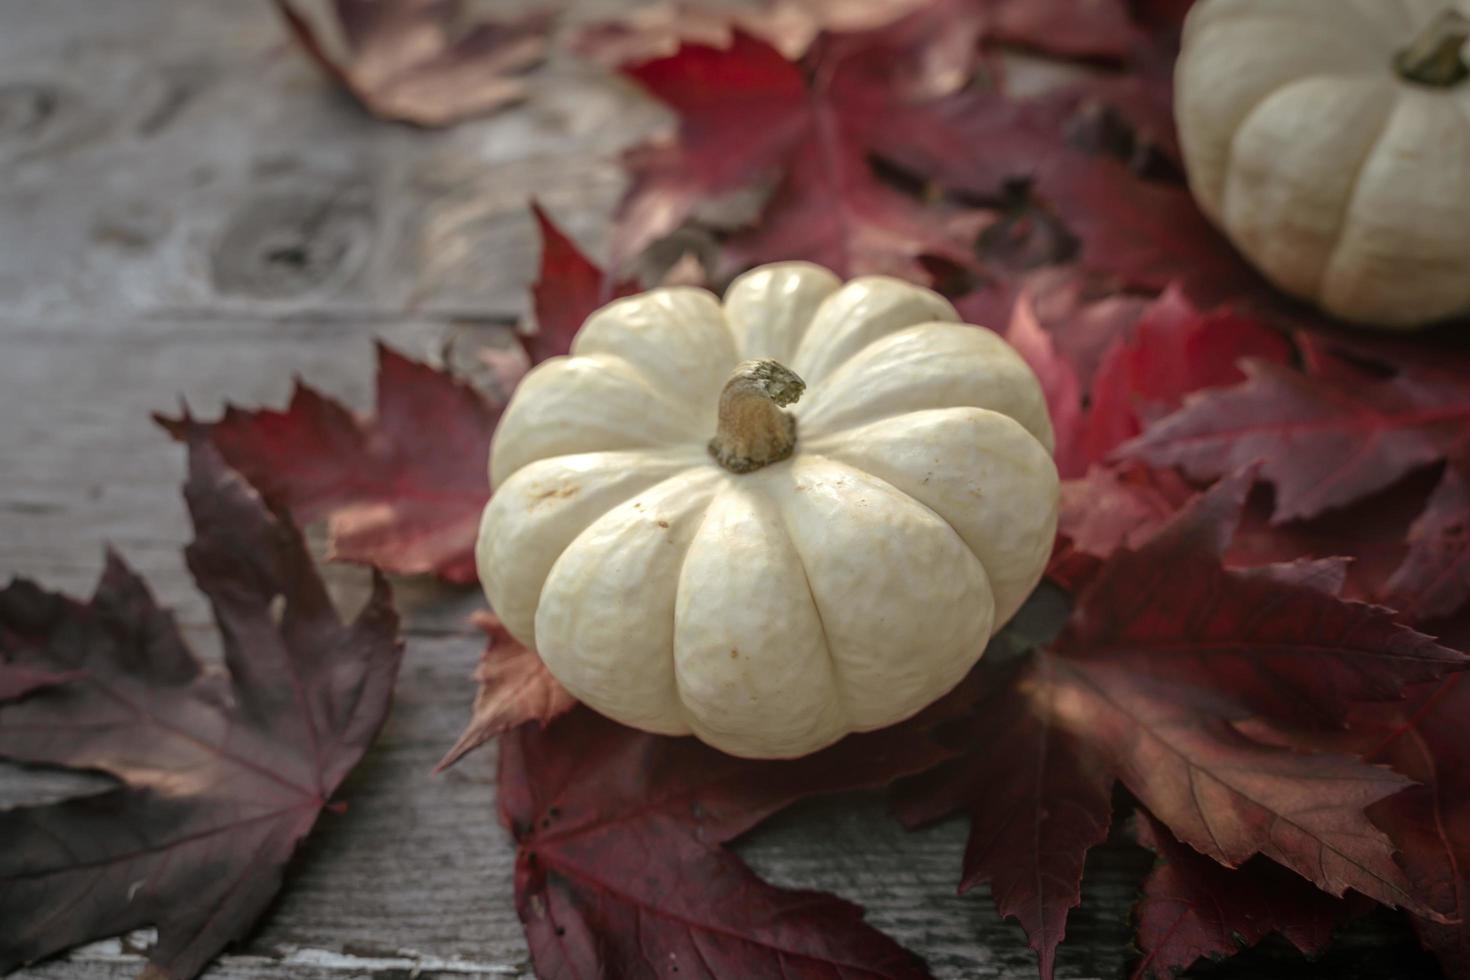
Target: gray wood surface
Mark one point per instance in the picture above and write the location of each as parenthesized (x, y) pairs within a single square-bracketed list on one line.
[(188, 209)]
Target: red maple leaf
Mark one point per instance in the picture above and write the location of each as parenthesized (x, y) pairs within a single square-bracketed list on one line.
[(1057, 806), (401, 490), (427, 62), (1425, 739), (221, 777), (1173, 351), (569, 287), (1185, 679), (1333, 438), (748, 116), (16, 681), (620, 867), (514, 687), (1194, 908)]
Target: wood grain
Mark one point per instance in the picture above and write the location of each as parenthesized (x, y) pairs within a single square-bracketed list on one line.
[(188, 210)]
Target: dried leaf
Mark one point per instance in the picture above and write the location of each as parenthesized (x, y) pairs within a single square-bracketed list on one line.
[(426, 62), (221, 777), (1193, 908), (401, 490), (568, 289), (619, 863), (514, 687)]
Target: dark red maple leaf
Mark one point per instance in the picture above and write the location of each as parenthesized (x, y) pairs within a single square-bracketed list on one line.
[(1112, 507), (1434, 579), (749, 116), (569, 287), (1194, 908), (401, 490), (221, 777), (1425, 739), (427, 62), (17, 681), (1322, 441), (1333, 438), (1185, 680), (620, 868), (1038, 800), (514, 687)]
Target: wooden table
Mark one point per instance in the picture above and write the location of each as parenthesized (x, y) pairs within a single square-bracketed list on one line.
[(187, 209)]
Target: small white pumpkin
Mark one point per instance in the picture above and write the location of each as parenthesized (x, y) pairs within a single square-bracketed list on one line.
[(802, 575), (1330, 140)]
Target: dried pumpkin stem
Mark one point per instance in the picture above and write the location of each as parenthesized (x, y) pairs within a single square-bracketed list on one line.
[(1436, 57), (753, 431)]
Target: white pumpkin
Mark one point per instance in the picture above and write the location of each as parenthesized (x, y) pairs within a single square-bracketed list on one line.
[(801, 575), (1330, 140)]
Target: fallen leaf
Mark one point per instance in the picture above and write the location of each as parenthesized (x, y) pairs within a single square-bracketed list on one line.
[(1193, 908), (1058, 378), (1322, 441), (568, 289), (620, 868), (1425, 739), (426, 62), (1112, 507), (1036, 808), (746, 116), (17, 681), (514, 687), (1174, 350), (1276, 639), (1170, 659), (1434, 579), (656, 30), (401, 490), (221, 777)]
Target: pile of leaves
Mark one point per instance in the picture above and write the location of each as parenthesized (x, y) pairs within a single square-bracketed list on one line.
[(1264, 550)]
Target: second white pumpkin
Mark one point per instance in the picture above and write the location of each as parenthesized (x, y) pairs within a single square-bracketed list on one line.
[(841, 587)]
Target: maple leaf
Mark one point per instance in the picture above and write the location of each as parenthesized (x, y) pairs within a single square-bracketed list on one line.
[(568, 289), (1110, 507), (658, 29), (402, 490), (1193, 908), (1169, 657), (514, 687), (1187, 680), (1174, 350), (1335, 437), (1425, 739), (619, 863), (1322, 441), (18, 681), (1434, 579), (427, 62), (1059, 381), (748, 115), (1036, 808), (221, 777)]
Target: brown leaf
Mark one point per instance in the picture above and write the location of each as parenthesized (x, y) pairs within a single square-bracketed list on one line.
[(514, 687), (426, 62)]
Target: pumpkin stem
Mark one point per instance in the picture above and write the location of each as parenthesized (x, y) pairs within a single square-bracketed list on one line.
[(753, 431), (1434, 56)]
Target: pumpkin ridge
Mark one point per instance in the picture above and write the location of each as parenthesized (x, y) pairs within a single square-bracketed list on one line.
[(1222, 193), (915, 500), (1345, 216), (843, 702)]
